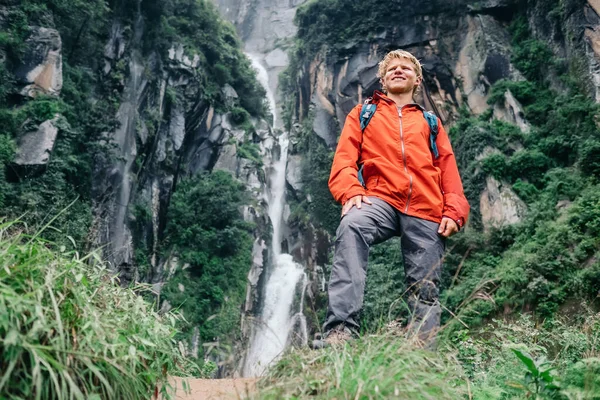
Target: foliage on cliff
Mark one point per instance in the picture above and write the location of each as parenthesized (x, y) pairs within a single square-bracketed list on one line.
[(204, 227), (336, 25), (90, 98), (197, 25), (207, 234), (551, 256), (67, 176), (69, 331)]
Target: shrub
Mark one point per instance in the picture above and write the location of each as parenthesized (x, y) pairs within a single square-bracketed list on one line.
[(206, 230)]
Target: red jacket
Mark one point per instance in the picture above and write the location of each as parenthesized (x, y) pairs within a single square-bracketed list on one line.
[(398, 165)]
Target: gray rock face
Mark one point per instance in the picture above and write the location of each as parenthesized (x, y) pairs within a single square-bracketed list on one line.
[(34, 148), (499, 205), (293, 172), (230, 95), (574, 37), (511, 111), (40, 69), (460, 61)]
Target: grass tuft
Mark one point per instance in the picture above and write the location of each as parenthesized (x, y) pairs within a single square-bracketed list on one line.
[(376, 366), (69, 331)]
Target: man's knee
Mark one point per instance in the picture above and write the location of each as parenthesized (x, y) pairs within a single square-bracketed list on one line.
[(353, 222)]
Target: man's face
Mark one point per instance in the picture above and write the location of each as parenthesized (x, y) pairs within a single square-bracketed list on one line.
[(400, 76)]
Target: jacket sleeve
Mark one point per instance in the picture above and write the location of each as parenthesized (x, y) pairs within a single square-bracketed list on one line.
[(343, 179), (456, 206)]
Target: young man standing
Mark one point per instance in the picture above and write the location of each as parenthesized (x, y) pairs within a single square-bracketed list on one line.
[(408, 191)]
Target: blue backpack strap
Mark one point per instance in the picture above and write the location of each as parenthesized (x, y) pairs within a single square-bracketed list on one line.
[(366, 113), (432, 121)]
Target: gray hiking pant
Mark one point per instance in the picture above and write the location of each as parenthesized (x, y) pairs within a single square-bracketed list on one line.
[(422, 251)]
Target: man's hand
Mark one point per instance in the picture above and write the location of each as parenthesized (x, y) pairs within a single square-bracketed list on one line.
[(448, 227), (355, 201)]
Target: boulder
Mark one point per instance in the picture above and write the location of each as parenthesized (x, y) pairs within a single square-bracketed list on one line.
[(293, 172), (35, 147), (40, 68), (500, 205), (230, 95)]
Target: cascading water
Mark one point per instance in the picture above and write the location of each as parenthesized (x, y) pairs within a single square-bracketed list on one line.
[(286, 279)]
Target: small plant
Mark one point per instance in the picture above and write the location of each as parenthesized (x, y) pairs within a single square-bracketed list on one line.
[(539, 380)]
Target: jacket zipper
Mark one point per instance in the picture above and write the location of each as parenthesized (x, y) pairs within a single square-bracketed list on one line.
[(410, 180)]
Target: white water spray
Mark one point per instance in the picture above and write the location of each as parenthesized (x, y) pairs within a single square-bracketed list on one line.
[(263, 78), (287, 279)]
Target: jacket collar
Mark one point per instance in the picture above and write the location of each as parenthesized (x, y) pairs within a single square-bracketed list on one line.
[(380, 96)]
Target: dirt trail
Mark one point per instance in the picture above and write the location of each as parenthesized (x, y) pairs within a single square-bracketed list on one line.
[(215, 389)]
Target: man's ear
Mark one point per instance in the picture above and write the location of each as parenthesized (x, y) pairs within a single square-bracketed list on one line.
[(382, 84), (419, 81)]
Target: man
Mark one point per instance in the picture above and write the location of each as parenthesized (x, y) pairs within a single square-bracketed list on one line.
[(407, 192)]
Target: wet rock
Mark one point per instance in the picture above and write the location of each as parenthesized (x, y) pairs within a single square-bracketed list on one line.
[(277, 58), (177, 126), (40, 68), (483, 59), (115, 47)]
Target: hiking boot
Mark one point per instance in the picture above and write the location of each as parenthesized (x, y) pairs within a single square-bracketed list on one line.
[(336, 337)]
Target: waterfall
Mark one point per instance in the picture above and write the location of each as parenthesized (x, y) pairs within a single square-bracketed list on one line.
[(287, 280)]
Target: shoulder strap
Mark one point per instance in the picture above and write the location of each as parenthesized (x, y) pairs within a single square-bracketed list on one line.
[(366, 113), (432, 121)]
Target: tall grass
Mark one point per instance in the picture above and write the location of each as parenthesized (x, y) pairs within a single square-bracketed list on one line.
[(478, 364), (374, 367), (69, 331)]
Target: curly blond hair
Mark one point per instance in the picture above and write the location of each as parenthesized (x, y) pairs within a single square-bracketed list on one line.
[(399, 54)]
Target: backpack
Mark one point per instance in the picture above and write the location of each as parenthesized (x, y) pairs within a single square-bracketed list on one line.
[(367, 112)]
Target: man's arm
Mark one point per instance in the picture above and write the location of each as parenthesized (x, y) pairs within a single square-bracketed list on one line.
[(456, 206), (343, 179)]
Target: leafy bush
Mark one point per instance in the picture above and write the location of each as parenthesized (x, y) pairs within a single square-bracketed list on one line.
[(197, 25), (206, 231), (68, 330)]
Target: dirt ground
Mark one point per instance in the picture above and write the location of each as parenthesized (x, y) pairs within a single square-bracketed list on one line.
[(214, 389)]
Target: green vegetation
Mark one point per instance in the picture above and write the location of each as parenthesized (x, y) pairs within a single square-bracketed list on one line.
[(90, 99), (211, 238), (498, 361), (334, 26), (38, 194), (206, 232), (378, 366), (551, 256), (69, 331), (197, 25)]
